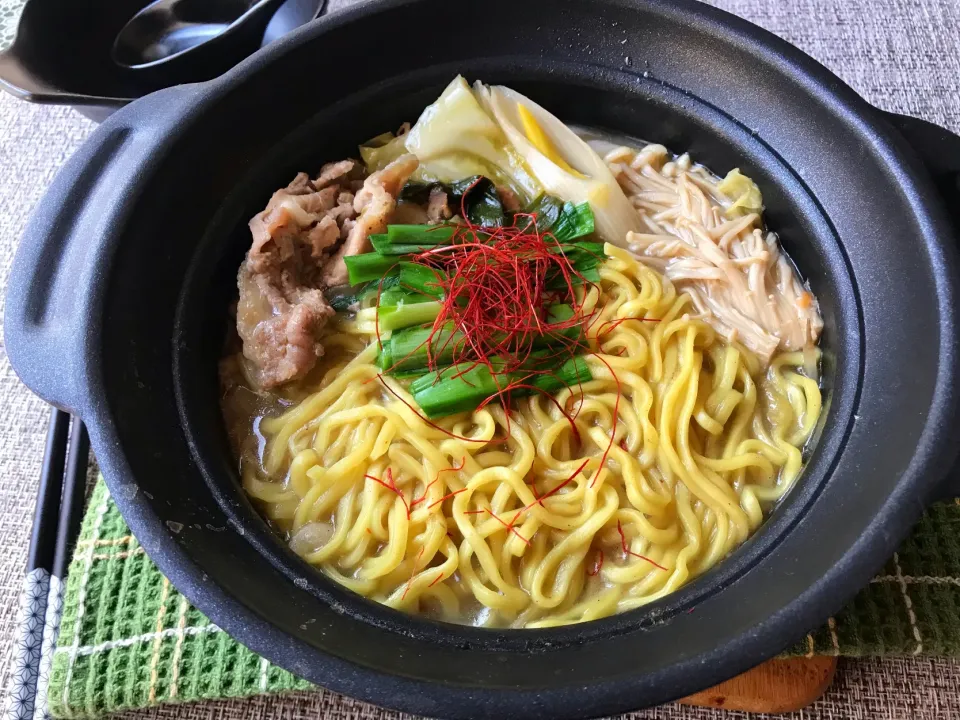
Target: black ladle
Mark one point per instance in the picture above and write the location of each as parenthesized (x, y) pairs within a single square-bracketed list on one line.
[(166, 32), (291, 15)]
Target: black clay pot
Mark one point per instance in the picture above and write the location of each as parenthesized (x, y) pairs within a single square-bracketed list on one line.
[(118, 301)]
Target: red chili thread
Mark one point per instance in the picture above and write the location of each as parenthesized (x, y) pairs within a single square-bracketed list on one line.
[(446, 497), (453, 468), (508, 526), (412, 574), (493, 284), (417, 501), (614, 324), (433, 425), (628, 551), (616, 417), (558, 487), (423, 497), (439, 578), (391, 485), (597, 564)]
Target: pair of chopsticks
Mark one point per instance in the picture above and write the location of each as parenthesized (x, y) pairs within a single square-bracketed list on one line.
[(56, 525)]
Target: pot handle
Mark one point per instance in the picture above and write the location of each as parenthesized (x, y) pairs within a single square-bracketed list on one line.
[(939, 149), (57, 281)]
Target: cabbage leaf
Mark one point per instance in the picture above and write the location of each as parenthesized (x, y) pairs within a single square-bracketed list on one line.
[(455, 138), (562, 163)]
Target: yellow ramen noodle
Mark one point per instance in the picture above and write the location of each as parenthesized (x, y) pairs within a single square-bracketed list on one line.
[(462, 519)]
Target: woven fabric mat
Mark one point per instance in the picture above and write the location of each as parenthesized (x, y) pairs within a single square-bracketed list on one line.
[(902, 55), (128, 639)]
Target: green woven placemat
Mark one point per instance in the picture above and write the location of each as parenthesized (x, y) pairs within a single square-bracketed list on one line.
[(128, 639)]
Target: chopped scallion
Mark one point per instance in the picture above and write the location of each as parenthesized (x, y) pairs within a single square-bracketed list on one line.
[(368, 266), (420, 234), (461, 388), (395, 317)]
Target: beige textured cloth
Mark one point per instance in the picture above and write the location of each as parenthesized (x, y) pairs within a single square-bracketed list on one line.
[(902, 55)]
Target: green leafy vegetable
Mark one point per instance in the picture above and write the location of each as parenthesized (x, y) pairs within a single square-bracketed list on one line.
[(369, 266), (547, 208), (477, 194), (419, 192), (408, 349), (409, 239), (383, 246), (342, 303), (398, 295), (455, 389), (414, 347), (405, 314), (572, 373), (574, 221), (565, 221), (482, 201), (423, 234), (421, 279), (461, 388)]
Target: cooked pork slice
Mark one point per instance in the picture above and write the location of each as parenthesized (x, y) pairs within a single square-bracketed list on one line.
[(278, 324), (323, 236), (509, 199), (438, 207), (347, 228), (282, 307), (335, 172), (277, 230), (409, 213), (375, 203)]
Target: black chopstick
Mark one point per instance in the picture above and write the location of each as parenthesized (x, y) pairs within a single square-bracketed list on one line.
[(74, 494), (36, 583), (44, 538), (56, 526)]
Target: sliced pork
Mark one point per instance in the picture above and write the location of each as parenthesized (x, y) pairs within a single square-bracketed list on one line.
[(438, 207), (299, 242), (374, 204), (282, 307)]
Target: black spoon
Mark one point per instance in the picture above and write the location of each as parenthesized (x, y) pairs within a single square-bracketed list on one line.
[(291, 15), (168, 30)]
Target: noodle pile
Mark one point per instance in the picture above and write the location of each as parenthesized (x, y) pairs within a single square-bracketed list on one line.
[(515, 521)]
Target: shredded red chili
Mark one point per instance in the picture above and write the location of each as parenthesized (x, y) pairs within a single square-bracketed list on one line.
[(628, 551), (493, 283), (597, 564)]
